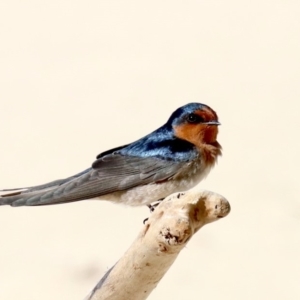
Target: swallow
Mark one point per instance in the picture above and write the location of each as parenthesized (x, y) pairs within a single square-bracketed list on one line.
[(173, 158)]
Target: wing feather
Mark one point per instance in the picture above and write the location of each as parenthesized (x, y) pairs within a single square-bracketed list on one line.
[(110, 173)]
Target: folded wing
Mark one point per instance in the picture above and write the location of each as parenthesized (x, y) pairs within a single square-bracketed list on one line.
[(109, 173)]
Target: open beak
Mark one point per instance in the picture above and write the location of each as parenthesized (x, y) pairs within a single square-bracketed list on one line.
[(216, 123)]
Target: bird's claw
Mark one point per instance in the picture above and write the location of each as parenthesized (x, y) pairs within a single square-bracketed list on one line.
[(152, 208), (154, 205)]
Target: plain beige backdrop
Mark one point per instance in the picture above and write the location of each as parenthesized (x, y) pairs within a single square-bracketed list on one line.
[(80, 77)]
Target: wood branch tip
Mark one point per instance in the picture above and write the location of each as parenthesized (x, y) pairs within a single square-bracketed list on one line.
[(200, 206)]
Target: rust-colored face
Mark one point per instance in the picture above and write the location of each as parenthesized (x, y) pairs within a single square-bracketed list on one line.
[(200, 127)]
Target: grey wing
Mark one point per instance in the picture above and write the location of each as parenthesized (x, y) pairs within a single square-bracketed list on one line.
[(111, 173)]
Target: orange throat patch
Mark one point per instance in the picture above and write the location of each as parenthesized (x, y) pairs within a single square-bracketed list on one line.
[(204, 137)]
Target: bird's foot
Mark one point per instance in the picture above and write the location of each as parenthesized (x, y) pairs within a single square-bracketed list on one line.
[(152, 207)]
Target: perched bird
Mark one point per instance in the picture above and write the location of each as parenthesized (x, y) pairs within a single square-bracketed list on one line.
[(175, 157)]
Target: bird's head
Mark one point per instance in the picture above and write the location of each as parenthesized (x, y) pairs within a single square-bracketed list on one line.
[(196, 123)]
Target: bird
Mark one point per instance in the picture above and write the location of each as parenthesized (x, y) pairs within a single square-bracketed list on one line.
[(173, 158)]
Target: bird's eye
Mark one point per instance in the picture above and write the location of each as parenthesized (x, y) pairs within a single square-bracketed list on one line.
[(193, 118)]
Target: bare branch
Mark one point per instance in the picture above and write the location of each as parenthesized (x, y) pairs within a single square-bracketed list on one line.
[(164, 235)]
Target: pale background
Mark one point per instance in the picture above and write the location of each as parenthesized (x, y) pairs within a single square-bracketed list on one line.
[(80, 77)]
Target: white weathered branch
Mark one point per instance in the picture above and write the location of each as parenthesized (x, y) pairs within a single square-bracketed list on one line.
[(166, 232)]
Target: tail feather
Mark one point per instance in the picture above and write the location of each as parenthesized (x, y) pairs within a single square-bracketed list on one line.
[(32, 196)]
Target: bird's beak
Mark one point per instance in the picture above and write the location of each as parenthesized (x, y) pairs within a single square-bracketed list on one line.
[(216, 123)]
